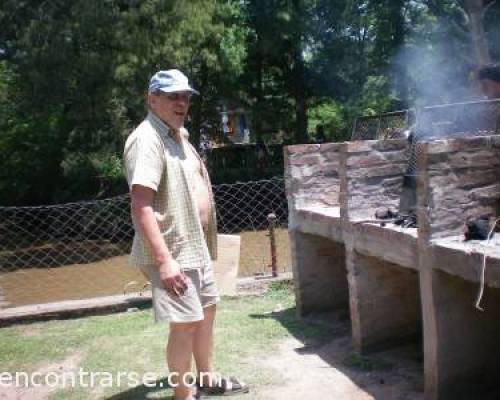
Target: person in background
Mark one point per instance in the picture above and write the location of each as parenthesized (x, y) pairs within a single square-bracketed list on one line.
[(489, 77), (175, 240), (262, 154), (205, 146), (320, 134)]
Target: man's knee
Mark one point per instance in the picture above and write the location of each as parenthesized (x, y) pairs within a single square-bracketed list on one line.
[(187, 328), (210, 309)]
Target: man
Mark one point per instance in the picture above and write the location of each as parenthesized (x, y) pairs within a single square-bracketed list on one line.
[(173, 212), (489, 77), (320, 137)]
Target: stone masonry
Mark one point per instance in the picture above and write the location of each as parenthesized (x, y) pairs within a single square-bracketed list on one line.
[(402, 283), (459, 179)]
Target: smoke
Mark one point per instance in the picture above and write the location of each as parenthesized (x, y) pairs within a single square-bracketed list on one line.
[(443, 72), (493, 31), (436, 72), (494, 41)]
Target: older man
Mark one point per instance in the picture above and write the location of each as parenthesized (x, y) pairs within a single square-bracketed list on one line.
[(489, 77), (174, 217)]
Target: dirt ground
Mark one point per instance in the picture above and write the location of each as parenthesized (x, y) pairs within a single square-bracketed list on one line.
[(315, 371), (41, 392), (331, 370), (113, 275), (312, 376)]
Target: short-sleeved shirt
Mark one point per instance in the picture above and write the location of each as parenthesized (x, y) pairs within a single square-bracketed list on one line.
[(154, 159)]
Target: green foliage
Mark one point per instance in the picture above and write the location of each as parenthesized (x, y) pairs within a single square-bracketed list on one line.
[(101, 171), (330, 115), (73, 78), (29, 160), (376, 96), (73, 75), (242, 164)]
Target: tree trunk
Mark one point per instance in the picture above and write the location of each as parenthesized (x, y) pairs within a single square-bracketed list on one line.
[(197, 109), (298, 73), (300, 98), (301, 118), (259, 96), (475, 11)]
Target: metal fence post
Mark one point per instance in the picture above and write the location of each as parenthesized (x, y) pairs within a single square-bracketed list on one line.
[(271, 218)]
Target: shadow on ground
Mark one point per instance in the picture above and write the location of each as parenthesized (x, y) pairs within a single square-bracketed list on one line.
[(154, 390), (390, 374)]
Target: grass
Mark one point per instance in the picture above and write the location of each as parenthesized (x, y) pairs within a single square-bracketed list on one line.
[(248, 329)]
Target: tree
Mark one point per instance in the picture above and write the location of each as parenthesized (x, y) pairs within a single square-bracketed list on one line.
[(268, 67), (467, 17), (73, 75), (77, 74), (475, 10)]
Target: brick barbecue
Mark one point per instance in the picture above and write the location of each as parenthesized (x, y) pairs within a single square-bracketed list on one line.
[(399, 283)]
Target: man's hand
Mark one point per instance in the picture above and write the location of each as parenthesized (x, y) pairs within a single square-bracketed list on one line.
[(173, 279)]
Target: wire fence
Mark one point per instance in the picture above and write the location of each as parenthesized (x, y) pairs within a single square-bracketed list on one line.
[(79, 250)]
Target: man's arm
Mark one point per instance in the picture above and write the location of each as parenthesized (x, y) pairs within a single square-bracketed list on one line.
[(142, 210)]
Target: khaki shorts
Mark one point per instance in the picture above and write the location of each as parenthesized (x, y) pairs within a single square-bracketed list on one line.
[(201, 292)]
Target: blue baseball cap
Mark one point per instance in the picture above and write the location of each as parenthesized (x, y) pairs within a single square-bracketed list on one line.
[(169, 81)]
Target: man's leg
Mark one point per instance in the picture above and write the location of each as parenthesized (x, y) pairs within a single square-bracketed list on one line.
[(203, 347), (179, 354)]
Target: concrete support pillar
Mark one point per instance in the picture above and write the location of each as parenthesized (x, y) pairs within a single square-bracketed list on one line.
[(384, 302), (319, 273), (461, 352)]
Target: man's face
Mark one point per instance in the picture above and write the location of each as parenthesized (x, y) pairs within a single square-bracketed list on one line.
[(172, 107), (490, 88)]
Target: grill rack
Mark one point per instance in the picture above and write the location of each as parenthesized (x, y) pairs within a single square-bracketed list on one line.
[(445, 121)]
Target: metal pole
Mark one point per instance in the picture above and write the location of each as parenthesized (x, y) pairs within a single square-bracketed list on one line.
[(271, 218)]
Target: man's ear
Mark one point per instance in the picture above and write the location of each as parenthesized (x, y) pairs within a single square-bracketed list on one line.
[(151, 100)]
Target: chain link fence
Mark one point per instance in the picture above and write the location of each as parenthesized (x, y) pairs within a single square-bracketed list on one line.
[(79, 250)]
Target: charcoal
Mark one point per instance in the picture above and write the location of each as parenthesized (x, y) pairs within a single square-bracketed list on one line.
[(385, 213), (407, 220), (478, 229)]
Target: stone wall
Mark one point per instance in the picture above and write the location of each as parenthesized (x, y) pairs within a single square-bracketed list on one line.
[(458, 179), (392, 291), (402, 281), (461, 356), (319, 273), (312, 177), (371, 176)]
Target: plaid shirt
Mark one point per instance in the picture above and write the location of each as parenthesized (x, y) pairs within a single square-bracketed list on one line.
[(154, 159)]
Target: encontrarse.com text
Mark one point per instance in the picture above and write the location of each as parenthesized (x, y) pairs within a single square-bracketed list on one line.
[(90, 379)]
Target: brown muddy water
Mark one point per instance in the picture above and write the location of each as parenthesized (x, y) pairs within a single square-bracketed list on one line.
[(110, 276)]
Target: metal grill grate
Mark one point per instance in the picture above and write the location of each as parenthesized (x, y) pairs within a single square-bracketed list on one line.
[(458, 120), (477, 118), (384, 126)]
